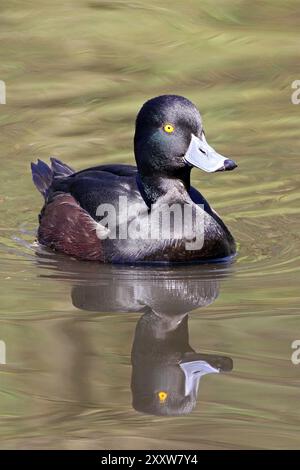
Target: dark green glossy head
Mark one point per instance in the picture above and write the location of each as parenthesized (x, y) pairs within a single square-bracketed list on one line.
[(169, 138), (163, 133)]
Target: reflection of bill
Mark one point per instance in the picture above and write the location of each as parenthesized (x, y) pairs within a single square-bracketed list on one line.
[(2, 352), (2, 92)]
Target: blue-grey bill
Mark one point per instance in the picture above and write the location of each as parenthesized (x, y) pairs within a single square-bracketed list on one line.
[(201, 155)]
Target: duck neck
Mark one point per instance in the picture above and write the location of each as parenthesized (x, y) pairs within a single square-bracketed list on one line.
[(153, 187)]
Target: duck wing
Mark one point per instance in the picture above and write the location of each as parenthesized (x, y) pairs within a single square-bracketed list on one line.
[(99, 185)]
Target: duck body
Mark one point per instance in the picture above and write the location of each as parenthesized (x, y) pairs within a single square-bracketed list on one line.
[(70, 221)]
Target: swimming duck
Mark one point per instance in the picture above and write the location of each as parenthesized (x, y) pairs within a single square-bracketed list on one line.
[(102, 213)]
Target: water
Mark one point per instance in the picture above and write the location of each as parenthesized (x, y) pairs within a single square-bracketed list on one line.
[(76, 74)]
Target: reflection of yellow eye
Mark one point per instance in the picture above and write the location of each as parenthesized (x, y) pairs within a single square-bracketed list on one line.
[(162, 396), (169, 128)]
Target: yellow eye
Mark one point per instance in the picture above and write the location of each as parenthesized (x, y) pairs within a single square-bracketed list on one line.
[(169, 128)]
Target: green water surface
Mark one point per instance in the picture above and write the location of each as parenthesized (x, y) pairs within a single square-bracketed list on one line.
[(76, 73)]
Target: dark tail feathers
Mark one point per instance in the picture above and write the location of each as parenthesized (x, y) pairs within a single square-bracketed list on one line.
[(43, 175)]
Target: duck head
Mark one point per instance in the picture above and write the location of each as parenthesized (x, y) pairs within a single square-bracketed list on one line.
[(170, 140)]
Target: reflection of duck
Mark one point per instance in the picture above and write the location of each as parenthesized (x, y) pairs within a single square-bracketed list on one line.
[(169, 141), (166, 371)]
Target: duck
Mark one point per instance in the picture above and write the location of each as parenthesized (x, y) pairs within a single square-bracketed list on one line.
[(117, 213)]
